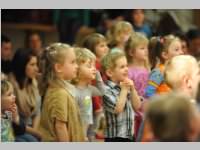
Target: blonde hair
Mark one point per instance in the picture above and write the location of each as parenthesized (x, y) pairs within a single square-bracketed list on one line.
[(92, 40), (157, 45), (134, 41), (115, 30), (109, 61), (169, 116), (5, 86), (177, 67), (82, 55), (54, 53)]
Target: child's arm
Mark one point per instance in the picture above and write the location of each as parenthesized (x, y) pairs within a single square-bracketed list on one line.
[(154, 81), (95, 91), (99, 83), (135, 99), (121, 101), (61, 131), (17, 122), (114, 103)]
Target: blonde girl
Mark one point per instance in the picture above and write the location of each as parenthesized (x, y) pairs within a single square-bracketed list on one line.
[(138, 68), (118, 35), (98, 45), (84, 90), (60, 117), (161, 49)]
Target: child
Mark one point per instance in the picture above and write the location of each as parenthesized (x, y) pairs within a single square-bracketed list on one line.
[(138, 67), (84, 90), (60, 117), (118, 35), (119, 99), (182, 73), (173, 118), (98, 45), (12, 126), (23, 79), (161, 50)]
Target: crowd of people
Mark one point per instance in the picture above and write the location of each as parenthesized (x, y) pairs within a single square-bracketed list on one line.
[(127, 85)]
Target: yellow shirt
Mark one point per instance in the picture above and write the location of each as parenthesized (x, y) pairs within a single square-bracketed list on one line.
[(60, 104)]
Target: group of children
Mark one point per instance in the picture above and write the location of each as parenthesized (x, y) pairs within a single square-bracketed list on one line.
[(98, 89)]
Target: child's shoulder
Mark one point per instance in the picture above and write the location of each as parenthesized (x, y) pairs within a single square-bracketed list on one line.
[(156, 75), (137, 70), (57, 92)]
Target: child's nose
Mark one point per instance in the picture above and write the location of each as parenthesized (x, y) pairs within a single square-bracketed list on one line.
[(14, 98)]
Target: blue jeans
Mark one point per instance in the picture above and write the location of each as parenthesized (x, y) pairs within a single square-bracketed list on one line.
[(26, 138)]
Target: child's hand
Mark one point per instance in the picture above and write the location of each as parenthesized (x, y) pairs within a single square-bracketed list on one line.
[(15, 115), (125, 86)]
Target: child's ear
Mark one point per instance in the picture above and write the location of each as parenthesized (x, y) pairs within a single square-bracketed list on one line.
[(187, 81), (130, 52), (109, 72), (164, 55), (58, 67)]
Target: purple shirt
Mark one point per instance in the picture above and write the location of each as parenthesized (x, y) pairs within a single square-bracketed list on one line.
[(140, 78)]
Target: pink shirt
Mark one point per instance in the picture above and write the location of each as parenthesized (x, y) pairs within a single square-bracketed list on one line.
[(140, 77)]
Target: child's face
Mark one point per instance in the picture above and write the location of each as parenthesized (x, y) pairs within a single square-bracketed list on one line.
[(87, 70), (141, 52), (101, 49), (124, 36), (138, 16), (8, 100), (174, 49), (69, 68), (120, 72), (32, 68)]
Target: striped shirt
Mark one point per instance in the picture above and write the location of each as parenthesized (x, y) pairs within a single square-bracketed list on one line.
[(121, 124)]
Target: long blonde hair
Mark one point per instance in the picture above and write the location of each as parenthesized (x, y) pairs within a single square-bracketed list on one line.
[(54, 53), (82, 55), (135, 40), (114, 32)]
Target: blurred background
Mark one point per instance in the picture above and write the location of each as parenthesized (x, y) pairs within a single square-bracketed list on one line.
[(68, 25)]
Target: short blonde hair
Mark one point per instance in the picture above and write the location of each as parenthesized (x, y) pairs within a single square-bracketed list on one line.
[(5, 86), (177, 67), (82, 55), (117, 29), (109, 61), (134, 41)]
